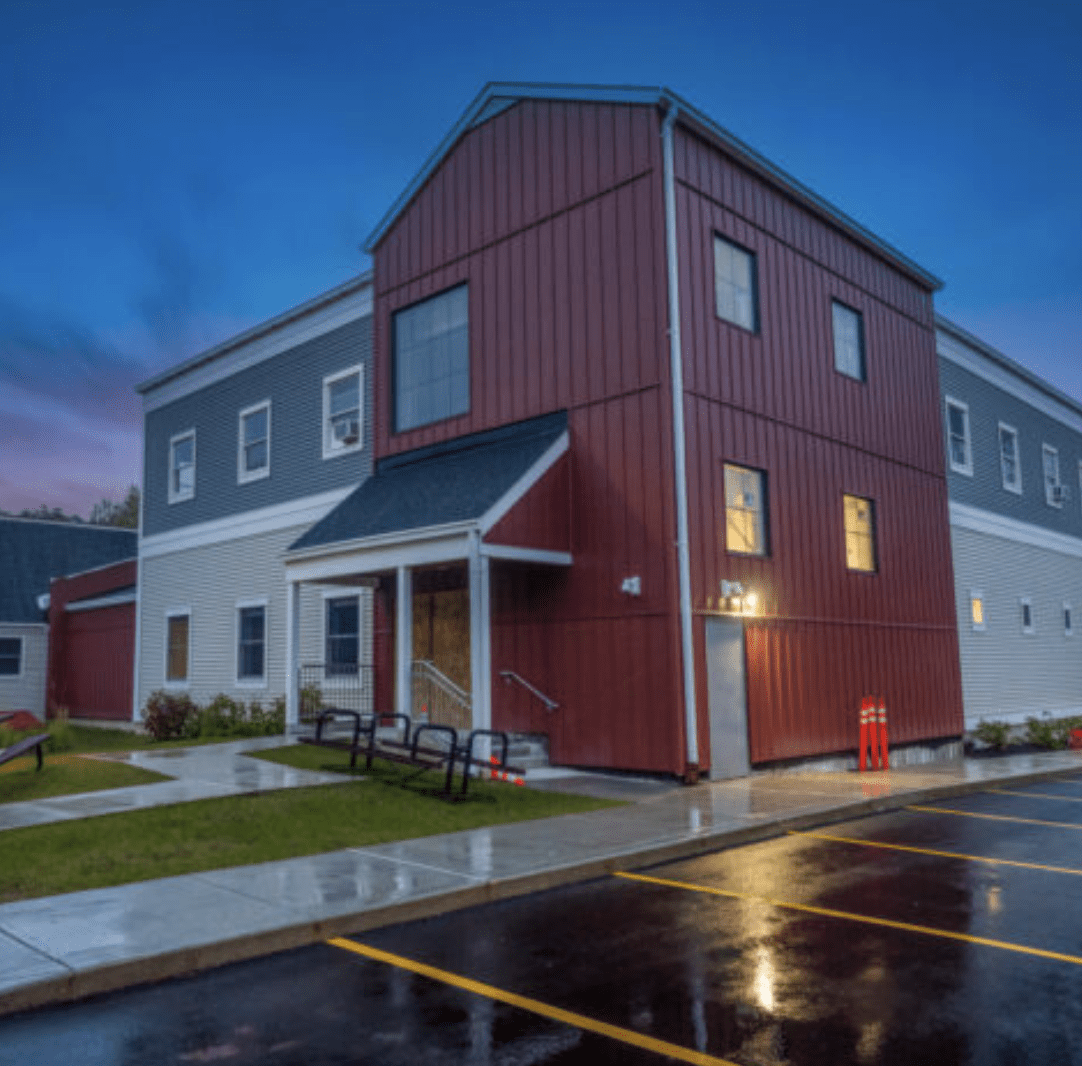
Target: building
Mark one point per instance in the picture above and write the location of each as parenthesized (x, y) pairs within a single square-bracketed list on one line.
[(245, 446), (1014, 470), (657, 449), (32, 553)]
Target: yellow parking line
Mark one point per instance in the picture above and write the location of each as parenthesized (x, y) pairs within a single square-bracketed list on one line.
[(995, 817), (887, 923), (579, 1021), (940, 854), (1035, 795)]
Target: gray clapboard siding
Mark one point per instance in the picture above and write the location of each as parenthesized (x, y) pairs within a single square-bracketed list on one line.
[(27, 691), (293, 382), (1006, 674), (211, 580)]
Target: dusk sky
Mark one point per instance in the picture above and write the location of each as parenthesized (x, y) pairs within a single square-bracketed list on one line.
[(173, 173)]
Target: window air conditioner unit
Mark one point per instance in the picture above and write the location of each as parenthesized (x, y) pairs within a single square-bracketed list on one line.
[(347, 431)]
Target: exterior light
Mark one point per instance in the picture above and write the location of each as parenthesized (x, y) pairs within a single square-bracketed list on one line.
[(751, 601)]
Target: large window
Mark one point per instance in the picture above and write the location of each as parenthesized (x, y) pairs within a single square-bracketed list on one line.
[(1054, 492), (182, 466), (1010, 459), (734, 284), (251, 642), (959, 446), (343, 635), (253, 443), (343, 393), (432, 360), (859, 533), (848, 341), (11, 656), (745, 510), (177, 634)]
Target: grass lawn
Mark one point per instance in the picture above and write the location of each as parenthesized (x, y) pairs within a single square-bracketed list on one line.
[(87, 738), (391, 803), (64, 774)]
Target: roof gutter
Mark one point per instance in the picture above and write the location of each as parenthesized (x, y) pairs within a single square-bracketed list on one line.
[(683, 561)]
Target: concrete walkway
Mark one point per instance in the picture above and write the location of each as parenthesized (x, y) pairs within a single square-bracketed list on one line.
[(70, 946)]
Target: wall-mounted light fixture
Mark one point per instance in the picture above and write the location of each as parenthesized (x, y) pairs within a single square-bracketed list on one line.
[(734, 598), (631, 586)]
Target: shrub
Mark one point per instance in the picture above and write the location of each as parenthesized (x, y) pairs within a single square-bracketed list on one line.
[(994, 734), (168, 715), (1046, 732)]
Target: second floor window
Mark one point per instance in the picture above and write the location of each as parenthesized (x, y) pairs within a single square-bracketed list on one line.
[(745, 510), (859, 533), (342, 425), (431, 377), (958, 443), (1010, 464), (848, 341), (182, 467), (734, 284), (1053, 489), (253, 456)]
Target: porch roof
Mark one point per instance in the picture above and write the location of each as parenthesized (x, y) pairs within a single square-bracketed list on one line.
[(466, 480)]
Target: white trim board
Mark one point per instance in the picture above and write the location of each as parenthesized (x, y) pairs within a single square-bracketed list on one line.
[(994, 525), (300, 512), (117, 599)]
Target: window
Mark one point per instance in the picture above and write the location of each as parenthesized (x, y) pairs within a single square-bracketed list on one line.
[(958, 444), (11, 656), (1053, 491), (745, 510), (432, 360), (343, 635), (251, 641), (848, 341), (1010, 461), (253, 443), (177, 634), (734, 284), (859, 533), (1068, 628), (182, 466), (1027, 615), (976, 608), (342, 420)]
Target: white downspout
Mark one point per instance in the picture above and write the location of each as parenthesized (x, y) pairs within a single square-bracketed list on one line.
[(683, 561)]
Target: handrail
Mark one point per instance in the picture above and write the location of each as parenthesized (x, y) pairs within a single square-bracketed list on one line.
[(431, 672), (510, 675)]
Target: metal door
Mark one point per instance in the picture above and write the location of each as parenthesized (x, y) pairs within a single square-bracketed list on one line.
[(727, 696)]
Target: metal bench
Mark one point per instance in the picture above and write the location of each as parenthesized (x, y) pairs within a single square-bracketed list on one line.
[(21, 747)]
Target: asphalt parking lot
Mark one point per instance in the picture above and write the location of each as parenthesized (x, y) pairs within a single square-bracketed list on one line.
[(935, 934)]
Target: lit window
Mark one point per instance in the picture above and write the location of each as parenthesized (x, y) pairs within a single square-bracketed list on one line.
[(745, 510), (1054, 492), (251, 642), (848, 341), (11, 656), (1010, 462), (958, 444), (177, 648), (432, 360), (253, 444), (859, 533), (342, 421), (343, 635), (182, 467), (734, 284), (976, 609), (1027, 615)]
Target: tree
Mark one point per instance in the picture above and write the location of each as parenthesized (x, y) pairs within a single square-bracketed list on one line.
[(53, 514), (124, 514)]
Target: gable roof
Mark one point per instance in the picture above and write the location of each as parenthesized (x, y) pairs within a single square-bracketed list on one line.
[(453, 482), (34, 551), (498, 96)]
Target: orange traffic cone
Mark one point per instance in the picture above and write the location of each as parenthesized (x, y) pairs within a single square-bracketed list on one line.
[(884, 750), (864, 713)]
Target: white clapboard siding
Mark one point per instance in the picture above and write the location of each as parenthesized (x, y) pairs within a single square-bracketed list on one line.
[(27, 691), (211, 580), (1009, 675)]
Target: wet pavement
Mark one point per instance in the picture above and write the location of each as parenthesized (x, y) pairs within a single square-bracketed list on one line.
[(941, 936)]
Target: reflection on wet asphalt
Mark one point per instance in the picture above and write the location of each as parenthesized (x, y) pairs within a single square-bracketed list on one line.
[(735, 978)]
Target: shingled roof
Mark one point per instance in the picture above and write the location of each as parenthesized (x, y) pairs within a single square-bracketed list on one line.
[(34, 551)]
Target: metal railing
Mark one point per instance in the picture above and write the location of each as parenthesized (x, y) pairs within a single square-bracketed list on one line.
[(510, 675), (320, 685), (437, 699)]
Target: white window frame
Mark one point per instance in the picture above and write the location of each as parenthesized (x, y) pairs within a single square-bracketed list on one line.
[(175, 495), (243, 475), (862, 348), (967, 466), (250, 682), (976, 595), (177, 612), (1068, 612), (22, 656), (1047, 450), (1025, 602), (331, 450), (1016, 487)]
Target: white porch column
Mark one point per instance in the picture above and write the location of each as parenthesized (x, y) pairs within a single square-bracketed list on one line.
[(480, 636), (293, 644), (403, 641)]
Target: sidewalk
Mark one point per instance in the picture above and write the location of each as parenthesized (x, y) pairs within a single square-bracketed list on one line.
[(66, 947)]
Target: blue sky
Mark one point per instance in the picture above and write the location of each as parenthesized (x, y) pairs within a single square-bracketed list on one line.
[(172, 173)]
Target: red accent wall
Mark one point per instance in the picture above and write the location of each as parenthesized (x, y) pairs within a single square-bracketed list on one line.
[(542, 518), (91, 653)]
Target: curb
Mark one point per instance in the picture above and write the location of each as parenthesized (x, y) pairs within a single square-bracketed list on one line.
[(187, 962)]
